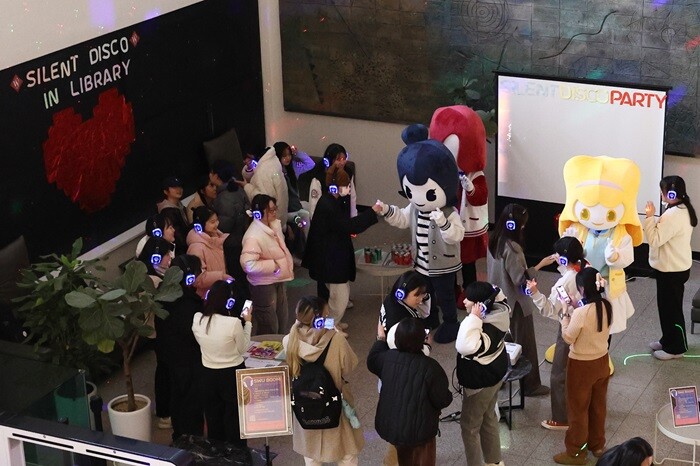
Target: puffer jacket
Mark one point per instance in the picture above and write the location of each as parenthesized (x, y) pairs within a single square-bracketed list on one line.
[(210, 250), (415, 389), (263, 252), (482, 360)]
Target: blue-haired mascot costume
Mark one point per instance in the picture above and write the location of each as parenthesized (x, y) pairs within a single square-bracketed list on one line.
[(429, 179)]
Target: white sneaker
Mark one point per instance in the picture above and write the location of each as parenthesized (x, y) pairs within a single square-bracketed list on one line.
[(165, 423), (664, 356), (655, 346), (350, 305)]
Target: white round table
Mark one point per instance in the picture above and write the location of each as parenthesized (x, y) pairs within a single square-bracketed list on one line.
[(689, 435), (381, 269)]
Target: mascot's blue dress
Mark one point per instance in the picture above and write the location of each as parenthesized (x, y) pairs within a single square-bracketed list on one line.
[(429, 179)]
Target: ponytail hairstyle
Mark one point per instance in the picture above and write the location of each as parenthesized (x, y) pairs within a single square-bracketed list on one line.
[(510, 227), (308, 308), (677, 184), (223, 298), (588, 281)]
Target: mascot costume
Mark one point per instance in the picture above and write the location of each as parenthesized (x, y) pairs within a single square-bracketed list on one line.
[(601, 211), (429, 179), (461, 129)]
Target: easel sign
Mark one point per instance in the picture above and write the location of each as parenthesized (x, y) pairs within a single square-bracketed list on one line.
[(264, 402), (684, 403)]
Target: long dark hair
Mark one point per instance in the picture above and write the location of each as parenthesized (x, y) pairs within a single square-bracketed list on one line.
[(504, 231), (587, 281), (677, 184), (410, 281), (200, 187), (217, 298), (154, 245), (280, 146)]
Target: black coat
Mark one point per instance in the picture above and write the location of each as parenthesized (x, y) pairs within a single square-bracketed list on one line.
[(329, 255), (175, 341), (415, 389)]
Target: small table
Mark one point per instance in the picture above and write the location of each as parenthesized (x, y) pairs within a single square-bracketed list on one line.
[(521, 368), (689, 435), (384, 268)]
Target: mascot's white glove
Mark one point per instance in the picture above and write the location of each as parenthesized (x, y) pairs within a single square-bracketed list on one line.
[(571, 231), (611, 253), (467, 184), (384, 208), (438, 217)]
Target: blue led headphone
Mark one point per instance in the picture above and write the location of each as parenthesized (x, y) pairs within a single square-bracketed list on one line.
[(582, 302), (197, 227), (510, 223), (253, 164), (333, 187), (486, 304), (326, 163), (400, 292), (319, 322), (155, 231), (230, 302), (156, 257), (671, 194), (257, 212), (189, 276), (563, 260)]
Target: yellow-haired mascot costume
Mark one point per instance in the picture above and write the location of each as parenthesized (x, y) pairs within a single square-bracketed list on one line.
[(601, 211)]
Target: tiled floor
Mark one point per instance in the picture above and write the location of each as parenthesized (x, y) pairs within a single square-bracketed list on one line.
[(637, 390)]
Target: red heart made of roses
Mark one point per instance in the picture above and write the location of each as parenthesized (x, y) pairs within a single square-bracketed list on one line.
[(85, 158)]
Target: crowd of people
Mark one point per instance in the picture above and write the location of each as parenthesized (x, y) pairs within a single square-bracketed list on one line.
[(240, 239)]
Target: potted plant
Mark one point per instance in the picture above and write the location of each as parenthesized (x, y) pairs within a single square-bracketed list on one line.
[(120, 313), (51, 323)]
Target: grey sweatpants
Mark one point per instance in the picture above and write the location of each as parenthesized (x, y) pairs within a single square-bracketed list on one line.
[(479, 423)]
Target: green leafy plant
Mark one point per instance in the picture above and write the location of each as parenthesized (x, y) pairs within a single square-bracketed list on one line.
[(121, 312), (468, 93), (50, 321)]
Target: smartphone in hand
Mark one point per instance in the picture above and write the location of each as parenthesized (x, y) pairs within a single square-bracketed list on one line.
[(563, 295), (247, 306)]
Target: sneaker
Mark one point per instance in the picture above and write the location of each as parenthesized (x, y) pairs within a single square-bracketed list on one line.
[(655, 346), (554, 425), (350, 304), (165, 423), (565, 458), (542, 390), (664, 356)]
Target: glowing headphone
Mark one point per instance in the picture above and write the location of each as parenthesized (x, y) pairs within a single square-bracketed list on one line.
[(400, 292), (326, 163), (563, 260), (155, 231), (257, 212), (189, 276), (156, 257), (319, 322), (197, 227), (582, 302), (253, 164), (230, 302), (333, 187), (510, 223), (671, 194)]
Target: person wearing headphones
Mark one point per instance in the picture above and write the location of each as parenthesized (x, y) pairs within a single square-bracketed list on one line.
[(222, 330), (482, 362), (308, 338), (158, 226), (179, 353), (268, 265), (409, 297), (568, 252), (329, 255), (670, 256), (206, 241), (507, 267)]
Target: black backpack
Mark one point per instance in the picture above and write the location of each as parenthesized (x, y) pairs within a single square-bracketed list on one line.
[(316, 400)]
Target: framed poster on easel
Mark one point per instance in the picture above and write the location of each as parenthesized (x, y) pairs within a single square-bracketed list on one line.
[(684, 404), (264, 402)]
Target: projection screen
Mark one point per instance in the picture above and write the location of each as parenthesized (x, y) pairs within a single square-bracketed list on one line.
[(542, 122)]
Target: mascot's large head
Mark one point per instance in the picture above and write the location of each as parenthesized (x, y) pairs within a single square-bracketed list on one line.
[(427, 171), (601, 193), (461, 129)]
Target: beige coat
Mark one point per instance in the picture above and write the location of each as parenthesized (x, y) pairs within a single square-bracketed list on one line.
[(328, 445)]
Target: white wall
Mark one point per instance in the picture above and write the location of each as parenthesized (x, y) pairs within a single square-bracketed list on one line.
[(33, 28)]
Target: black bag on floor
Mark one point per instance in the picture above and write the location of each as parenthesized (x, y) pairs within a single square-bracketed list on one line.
[(316, 400)]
